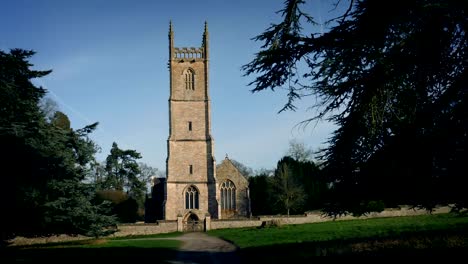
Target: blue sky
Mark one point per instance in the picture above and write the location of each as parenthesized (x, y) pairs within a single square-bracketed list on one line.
[(109, 62)]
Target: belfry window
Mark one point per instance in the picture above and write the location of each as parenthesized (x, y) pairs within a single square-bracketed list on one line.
[(189, 79), (191, 198), (190, 168), (190, 126), (228, 195)]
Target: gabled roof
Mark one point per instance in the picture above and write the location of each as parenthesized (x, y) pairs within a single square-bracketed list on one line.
[(228, 163)]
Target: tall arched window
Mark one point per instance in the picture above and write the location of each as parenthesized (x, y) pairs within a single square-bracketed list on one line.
[(228, 195), (191, 198), (189, 79)]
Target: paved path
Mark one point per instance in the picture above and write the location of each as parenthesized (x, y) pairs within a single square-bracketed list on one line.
[(199, 247)]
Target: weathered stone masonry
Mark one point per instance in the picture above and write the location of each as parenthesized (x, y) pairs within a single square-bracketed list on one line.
[(190, 161), (194, 187)]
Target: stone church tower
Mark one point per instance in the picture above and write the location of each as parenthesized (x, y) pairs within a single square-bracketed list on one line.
[(191, 177)]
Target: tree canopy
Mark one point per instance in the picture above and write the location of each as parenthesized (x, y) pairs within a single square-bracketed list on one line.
[(122, 176), (295, 187), (44, 162), (298, 151), (288, 191), (392, 75), (243, 169)]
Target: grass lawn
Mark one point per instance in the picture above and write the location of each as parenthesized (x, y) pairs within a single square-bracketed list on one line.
[(377, 236), (415, 235), (134, 243), (108, 249)]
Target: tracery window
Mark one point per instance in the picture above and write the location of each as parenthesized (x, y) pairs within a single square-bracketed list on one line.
[(228, 195), (191, 198), (189, 79)]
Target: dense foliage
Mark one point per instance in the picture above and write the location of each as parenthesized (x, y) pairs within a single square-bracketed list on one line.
[(294, 187), (44, 161), (392, 75), (123, 174)]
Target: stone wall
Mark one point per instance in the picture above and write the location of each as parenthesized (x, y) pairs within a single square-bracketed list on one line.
[(185, 153), (179, 91), (238, 223), (146, 229), (175, 204), (189, 111), (316, 217), (171, 226)]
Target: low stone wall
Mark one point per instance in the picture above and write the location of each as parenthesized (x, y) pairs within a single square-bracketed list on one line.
[(171, 226), (124, 230), (316, 217), (392, 212), (236, 223), (146, 229), (295, 219)]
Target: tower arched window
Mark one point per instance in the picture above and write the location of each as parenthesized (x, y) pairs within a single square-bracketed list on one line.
[(191, 198), (228, 195), (189, 79)]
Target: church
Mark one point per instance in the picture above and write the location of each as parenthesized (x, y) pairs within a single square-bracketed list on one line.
[(195, 187)]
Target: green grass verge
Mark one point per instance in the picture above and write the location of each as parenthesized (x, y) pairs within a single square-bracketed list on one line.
[(135, 243), (368, 236), (115, 249)]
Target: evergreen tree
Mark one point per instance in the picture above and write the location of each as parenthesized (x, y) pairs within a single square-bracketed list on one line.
[(288, 191), (261, 195), (393, 76), (124, 174), (45, 163)]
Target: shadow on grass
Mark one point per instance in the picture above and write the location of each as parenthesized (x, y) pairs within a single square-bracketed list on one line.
[(306, 252), (424, 244), (208, 257), (156, 255)]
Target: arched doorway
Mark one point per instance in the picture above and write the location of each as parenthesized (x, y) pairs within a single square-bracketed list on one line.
[(192, 223)]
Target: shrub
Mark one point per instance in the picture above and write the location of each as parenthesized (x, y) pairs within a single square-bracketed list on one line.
[(114, 196), (123, 206), (368, 207), (376, 206)]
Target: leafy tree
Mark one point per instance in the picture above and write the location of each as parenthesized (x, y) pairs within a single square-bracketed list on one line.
[(72, 209), (263, 171), (71, 204), (123, 174), (97, 174), (298, 151), (265, 188), (122, 168), (60, 120), (19, 96), (45, 164), (128, 211), (392, 76), (48, 107), (147, 172), (288, 192), (311, 178)]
